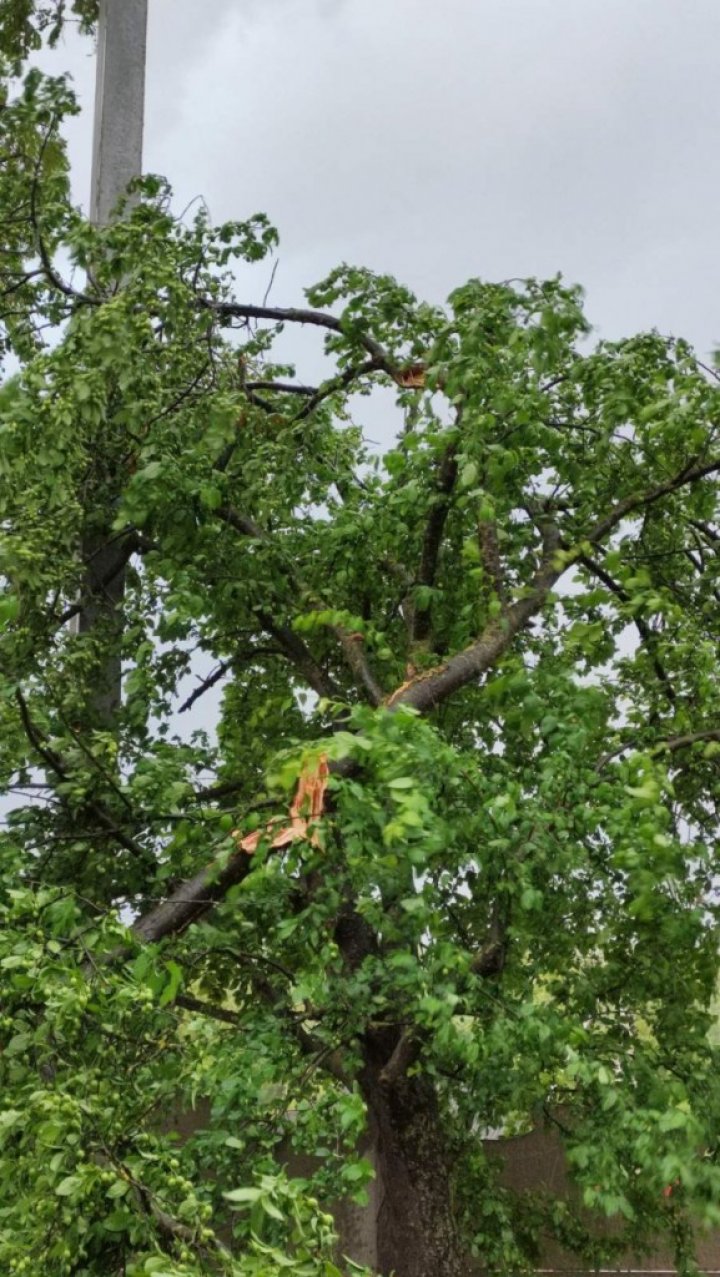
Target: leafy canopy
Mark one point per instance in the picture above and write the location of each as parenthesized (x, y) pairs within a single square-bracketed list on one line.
[(501, 630)]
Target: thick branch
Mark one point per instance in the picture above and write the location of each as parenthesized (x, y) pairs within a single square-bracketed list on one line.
[(298, 315), (405, 1054), (446, 479), (428, 689), (356, 659), (689, 474), (192, 899)]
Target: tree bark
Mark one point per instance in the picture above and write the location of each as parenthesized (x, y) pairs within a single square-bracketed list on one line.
[(106, 559), (416, 1231)]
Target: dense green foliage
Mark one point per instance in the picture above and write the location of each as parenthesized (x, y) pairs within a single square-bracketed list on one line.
[(502, 632), (24, 24)]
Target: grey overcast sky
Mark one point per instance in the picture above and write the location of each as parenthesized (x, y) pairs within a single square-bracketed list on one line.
[(439, 141)]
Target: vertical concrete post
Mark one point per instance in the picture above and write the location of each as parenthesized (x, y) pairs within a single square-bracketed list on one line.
[(117, 159), (119, 103)]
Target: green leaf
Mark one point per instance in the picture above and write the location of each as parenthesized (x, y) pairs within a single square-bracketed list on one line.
[(68, 1186), (243, 1195)]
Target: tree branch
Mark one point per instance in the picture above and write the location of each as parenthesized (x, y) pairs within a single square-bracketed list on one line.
[(428, 689), (297, 315), (668, 746), (694, 470), (282, 387), (341, 382), (643, 629), (295, 649), (57, 765), (434, 528), (674, 743), (491, 560), (192, 899), (356, 659), (207, 1008), (404, 1055)]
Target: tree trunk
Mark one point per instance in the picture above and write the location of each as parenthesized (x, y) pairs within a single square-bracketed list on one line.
[(106, 556), (416, 1231)]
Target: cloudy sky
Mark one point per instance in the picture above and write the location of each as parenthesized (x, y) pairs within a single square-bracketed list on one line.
[(478, 137)]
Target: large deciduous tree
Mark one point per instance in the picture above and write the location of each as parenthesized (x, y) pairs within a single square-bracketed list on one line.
[(444, 858)]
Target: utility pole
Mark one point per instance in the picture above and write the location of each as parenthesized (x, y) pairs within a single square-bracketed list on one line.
[(119, 103), (117, 159)]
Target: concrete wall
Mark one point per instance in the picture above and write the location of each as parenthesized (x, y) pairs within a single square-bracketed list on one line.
[(537, 1161)]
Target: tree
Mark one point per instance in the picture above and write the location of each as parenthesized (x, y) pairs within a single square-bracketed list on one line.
[(448, 860)]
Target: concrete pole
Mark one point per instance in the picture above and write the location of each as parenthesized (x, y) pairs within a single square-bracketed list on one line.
[(119, 103), (117, 159)]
